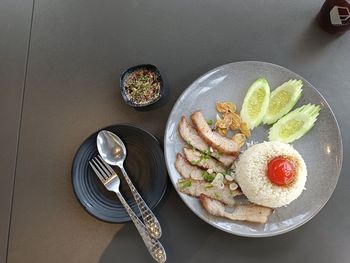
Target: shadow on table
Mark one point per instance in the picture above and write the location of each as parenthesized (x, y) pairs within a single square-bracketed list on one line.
[(126, 246), (313, 41), (178, 229), (187, 239)]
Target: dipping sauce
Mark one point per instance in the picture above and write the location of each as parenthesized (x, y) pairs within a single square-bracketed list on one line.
[(142, 86), (281, 171)]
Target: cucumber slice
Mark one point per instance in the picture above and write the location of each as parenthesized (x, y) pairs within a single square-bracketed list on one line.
[(295, 124), (282, 100), (255, 103)]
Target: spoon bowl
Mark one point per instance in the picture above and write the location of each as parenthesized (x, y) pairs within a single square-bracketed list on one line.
[(111, 148)]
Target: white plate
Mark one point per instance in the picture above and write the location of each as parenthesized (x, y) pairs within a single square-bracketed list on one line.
[(321, 148)]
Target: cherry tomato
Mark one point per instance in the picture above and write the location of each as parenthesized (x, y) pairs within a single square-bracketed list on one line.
[(281, 171)]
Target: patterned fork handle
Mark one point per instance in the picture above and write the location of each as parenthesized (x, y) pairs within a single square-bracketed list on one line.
[(154, 247), (150, 220)]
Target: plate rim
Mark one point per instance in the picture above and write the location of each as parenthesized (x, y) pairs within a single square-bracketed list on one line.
[(210, 222), (138, 214)]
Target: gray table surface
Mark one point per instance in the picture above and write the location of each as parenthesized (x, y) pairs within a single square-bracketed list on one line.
[(76, 52), (15, 18)]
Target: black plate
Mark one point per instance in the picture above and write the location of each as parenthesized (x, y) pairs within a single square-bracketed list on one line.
[(145, 166)]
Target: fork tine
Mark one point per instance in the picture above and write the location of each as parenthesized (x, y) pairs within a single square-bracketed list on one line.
[(102, 179), (99, 168), (106, 165), (107, 172)]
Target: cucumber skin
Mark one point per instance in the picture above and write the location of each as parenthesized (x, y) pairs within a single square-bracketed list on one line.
[(244, 113), (308, 113), (296, 94)]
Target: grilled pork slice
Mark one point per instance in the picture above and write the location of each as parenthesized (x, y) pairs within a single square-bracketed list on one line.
[(196, 188), (252, 213), (190, 135), (203, 160), (186, 170), (221, 143)]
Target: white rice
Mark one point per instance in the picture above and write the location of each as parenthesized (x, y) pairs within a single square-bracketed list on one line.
[(251, 174)]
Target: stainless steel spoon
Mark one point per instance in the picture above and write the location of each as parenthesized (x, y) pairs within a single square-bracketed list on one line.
[(113, 151)]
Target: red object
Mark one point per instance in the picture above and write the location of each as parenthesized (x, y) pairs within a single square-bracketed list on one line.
[(334, 16), (281, 171)]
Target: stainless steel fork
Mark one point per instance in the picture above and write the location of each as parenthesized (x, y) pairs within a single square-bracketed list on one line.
[(111, 181)]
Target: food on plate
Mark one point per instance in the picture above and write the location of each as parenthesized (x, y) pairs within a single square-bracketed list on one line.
[(229, 120), (281, 171), (196, 188), (215, 140), (186, 170), (191, 137), (225, 107), (203, 160), (295, 124), (203, 170), (260, 185), (233, 186), (255, 103), (282, 100), (236, 121), (202, 166), (142, 86), (252, 213), (268, 175), (239, 138), (245, 129)]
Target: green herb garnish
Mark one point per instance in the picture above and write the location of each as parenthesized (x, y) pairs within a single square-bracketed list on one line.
[(210, 122), (217, 196), (208, 186), (207, 176), (196, 162), (205, 155), (185, 183)]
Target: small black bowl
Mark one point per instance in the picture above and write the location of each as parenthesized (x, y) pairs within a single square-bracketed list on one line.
[(128, 71)]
